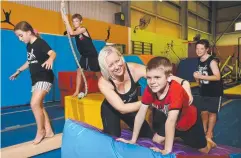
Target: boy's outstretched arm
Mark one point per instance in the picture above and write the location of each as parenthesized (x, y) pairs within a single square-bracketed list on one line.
[(139, 119), (170, 130)]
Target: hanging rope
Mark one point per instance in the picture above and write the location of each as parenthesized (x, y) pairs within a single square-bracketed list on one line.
[(81, 94)]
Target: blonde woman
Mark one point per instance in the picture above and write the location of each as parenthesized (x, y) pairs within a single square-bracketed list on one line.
[(119, 86)]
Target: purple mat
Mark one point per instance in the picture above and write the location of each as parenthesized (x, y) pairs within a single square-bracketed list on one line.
[(179, 148)]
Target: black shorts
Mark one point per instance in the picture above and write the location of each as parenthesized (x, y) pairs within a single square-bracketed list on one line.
[(89, 63), (45, 76), (210, 104), (194, 137), (111, 121)]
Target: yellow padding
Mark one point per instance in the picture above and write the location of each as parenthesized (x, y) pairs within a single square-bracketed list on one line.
[(193, 84), (234, 90), (85, 110)]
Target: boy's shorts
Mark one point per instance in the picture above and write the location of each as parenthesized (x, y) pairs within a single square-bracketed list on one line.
[(194, 137), (210, 104)]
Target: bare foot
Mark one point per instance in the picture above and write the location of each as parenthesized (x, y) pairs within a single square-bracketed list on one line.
[(213, 144), (39, 137), (49, 134), (75, 94)]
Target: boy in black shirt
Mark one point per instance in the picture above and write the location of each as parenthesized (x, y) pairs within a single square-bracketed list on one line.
[(86, 48), (211, 88)]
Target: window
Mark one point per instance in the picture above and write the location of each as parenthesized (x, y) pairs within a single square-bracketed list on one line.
[(237, 26)]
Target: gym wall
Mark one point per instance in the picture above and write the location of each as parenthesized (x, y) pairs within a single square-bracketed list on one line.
[(160, 44), (14, 52), (97, 10), (163, 28), (228, 43), (199, 19), (52, 22), (13, 55)]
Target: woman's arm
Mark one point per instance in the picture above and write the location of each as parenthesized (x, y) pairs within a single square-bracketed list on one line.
[(137, 71), (186, 85)]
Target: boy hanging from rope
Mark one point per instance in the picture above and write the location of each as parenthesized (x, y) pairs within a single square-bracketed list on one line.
[(85, 46)]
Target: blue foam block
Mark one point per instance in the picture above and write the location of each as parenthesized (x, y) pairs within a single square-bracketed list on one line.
[(235, 155), (186, 68), (81, 141), (13, 54)]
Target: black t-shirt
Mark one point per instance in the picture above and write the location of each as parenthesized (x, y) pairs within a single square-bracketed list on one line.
[(209, 88), (85, 45), (37, 54)]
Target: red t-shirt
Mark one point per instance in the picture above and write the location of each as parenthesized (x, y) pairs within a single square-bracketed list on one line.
[(176, 99)]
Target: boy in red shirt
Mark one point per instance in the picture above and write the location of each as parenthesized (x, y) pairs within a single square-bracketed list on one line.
[(172, 114)]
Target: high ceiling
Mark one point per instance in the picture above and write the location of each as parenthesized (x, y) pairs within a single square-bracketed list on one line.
[(226, 4)]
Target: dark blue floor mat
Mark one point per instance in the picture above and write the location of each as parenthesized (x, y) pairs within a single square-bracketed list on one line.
[(26, 134), (52, 154), (228, 128), (24, 107), (27, 117)]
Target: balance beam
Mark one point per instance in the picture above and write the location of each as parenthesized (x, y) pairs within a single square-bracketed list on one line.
[(28, 149)]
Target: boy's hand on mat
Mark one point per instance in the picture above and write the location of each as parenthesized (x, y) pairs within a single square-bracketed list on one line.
[(125, 141), (163, 152), (48, 64)]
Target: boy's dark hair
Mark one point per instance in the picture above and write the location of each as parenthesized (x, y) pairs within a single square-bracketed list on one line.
[(78, 16), (160, 62), (204, 42)]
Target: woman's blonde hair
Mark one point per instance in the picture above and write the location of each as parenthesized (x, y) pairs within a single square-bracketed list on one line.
[(107, 50)]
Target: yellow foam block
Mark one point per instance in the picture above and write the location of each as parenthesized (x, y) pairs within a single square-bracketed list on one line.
[(193, 84), (85, 110), (234, 90)]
